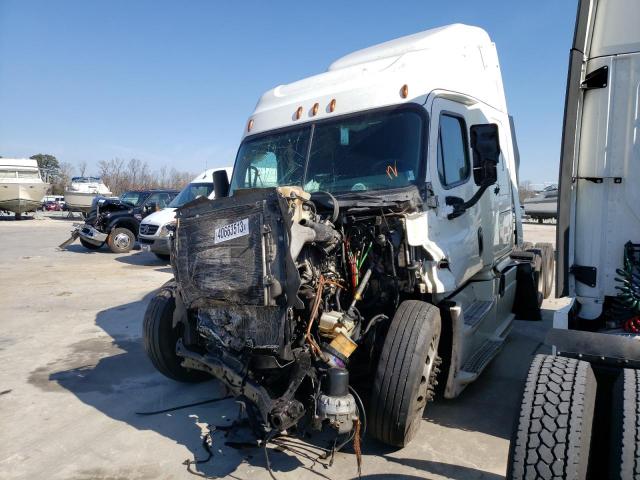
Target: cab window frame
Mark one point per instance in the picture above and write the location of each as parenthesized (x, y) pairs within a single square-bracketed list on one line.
[(467, 150)]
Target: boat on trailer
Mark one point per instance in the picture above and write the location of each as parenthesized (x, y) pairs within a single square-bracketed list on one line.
[(80, 194), (21, 185)]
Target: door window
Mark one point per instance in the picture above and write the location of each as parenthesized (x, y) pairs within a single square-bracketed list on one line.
[(453, 151), (161, 199)]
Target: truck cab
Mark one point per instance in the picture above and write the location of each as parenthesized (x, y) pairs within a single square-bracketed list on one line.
[(580, 410), (371, 231)]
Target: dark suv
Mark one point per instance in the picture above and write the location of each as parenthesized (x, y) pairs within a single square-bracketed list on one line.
[(116, 221)]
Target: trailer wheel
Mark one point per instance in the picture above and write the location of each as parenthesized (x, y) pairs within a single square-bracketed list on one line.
[(90, 246), (553, 433), (121, 240), (406, 373), (548, 265), (625, 427), (160, 339)]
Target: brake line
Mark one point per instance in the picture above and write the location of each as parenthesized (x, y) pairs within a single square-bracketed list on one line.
[(173, 409)]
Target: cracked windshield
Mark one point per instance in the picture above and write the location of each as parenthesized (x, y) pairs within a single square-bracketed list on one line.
[(375, 151)]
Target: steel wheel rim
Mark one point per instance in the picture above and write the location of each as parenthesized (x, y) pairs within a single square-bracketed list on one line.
[(122, 240), (425, 380)]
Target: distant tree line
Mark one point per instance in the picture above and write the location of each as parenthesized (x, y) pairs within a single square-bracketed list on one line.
[(121, 175), (118, 174)]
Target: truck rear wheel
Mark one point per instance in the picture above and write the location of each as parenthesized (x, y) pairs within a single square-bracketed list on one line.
[(406, 373), (553, 434), (121, 240), (160, 339), (625, 441)]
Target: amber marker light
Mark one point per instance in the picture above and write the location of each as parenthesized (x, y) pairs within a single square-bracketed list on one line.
[(250, 125), (404, 91), (298, 113), (332, 105), (314, 110)]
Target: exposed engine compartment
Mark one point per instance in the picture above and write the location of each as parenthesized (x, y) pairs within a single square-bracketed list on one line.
[(282, 293)]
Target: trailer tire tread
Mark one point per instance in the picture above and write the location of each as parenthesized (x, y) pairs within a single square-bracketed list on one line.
[(629, 444), (553, 435)]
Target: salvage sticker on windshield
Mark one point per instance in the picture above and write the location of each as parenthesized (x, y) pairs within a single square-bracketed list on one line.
[(231, 231)]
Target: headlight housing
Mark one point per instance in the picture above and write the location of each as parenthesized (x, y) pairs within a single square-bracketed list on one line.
[(165, 229)]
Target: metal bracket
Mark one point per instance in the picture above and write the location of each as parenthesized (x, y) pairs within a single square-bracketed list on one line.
[(599, 78), (586, 275), (431, 197), (617, 180)]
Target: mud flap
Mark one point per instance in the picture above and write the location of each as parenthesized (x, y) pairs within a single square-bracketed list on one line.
[(525, 306)]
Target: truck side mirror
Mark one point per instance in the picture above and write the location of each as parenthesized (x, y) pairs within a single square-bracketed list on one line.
[(485, 143), (221, 183)]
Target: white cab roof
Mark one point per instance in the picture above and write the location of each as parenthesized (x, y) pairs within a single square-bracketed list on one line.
[(457, 58)]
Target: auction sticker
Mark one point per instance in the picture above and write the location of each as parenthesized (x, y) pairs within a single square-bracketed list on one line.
[(231, 231)]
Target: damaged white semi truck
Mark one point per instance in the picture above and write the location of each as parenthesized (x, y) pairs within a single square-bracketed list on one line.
[(369, 248)]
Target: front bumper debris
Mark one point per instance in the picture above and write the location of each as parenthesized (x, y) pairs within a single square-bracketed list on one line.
[(91, 235)]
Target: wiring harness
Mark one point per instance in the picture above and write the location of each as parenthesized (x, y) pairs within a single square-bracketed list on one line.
[(627, 303)]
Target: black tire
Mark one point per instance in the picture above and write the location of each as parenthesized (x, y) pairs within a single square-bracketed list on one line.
[(625, 427), (163, 256), (90, 246), (406, 373), (160, 339), (121, 240), (548, 263), (553, 433)]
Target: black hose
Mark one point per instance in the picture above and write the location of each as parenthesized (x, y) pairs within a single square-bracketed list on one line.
[(173, 409)]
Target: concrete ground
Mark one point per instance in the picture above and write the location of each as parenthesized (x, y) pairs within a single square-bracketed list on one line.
[(73, 374)]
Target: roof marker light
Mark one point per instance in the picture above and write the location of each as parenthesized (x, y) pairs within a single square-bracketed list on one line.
[(404, 91), (332, 105), (298, 113), (250, 125), (315, 108)]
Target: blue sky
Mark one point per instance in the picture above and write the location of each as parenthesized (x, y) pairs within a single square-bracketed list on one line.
[(173, 83)]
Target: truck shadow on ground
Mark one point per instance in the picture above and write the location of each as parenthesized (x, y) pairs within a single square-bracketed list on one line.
[(143, 259), (112, 374)]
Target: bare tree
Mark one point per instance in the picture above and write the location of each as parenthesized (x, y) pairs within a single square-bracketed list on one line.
[(120, 175), (525, 190), (82, 168)]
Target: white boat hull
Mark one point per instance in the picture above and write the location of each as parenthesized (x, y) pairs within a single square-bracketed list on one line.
[(22, 197), (541, 208), (81, 201)]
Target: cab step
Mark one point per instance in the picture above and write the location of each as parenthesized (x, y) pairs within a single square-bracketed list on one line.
[(479, 360), (475, 313)]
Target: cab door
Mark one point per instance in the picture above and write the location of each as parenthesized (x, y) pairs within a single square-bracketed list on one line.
[(450, 174)]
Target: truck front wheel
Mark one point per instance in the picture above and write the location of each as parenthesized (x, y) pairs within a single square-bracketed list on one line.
[(160, 338), (121, 240), (553, 434), (406, 373)]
